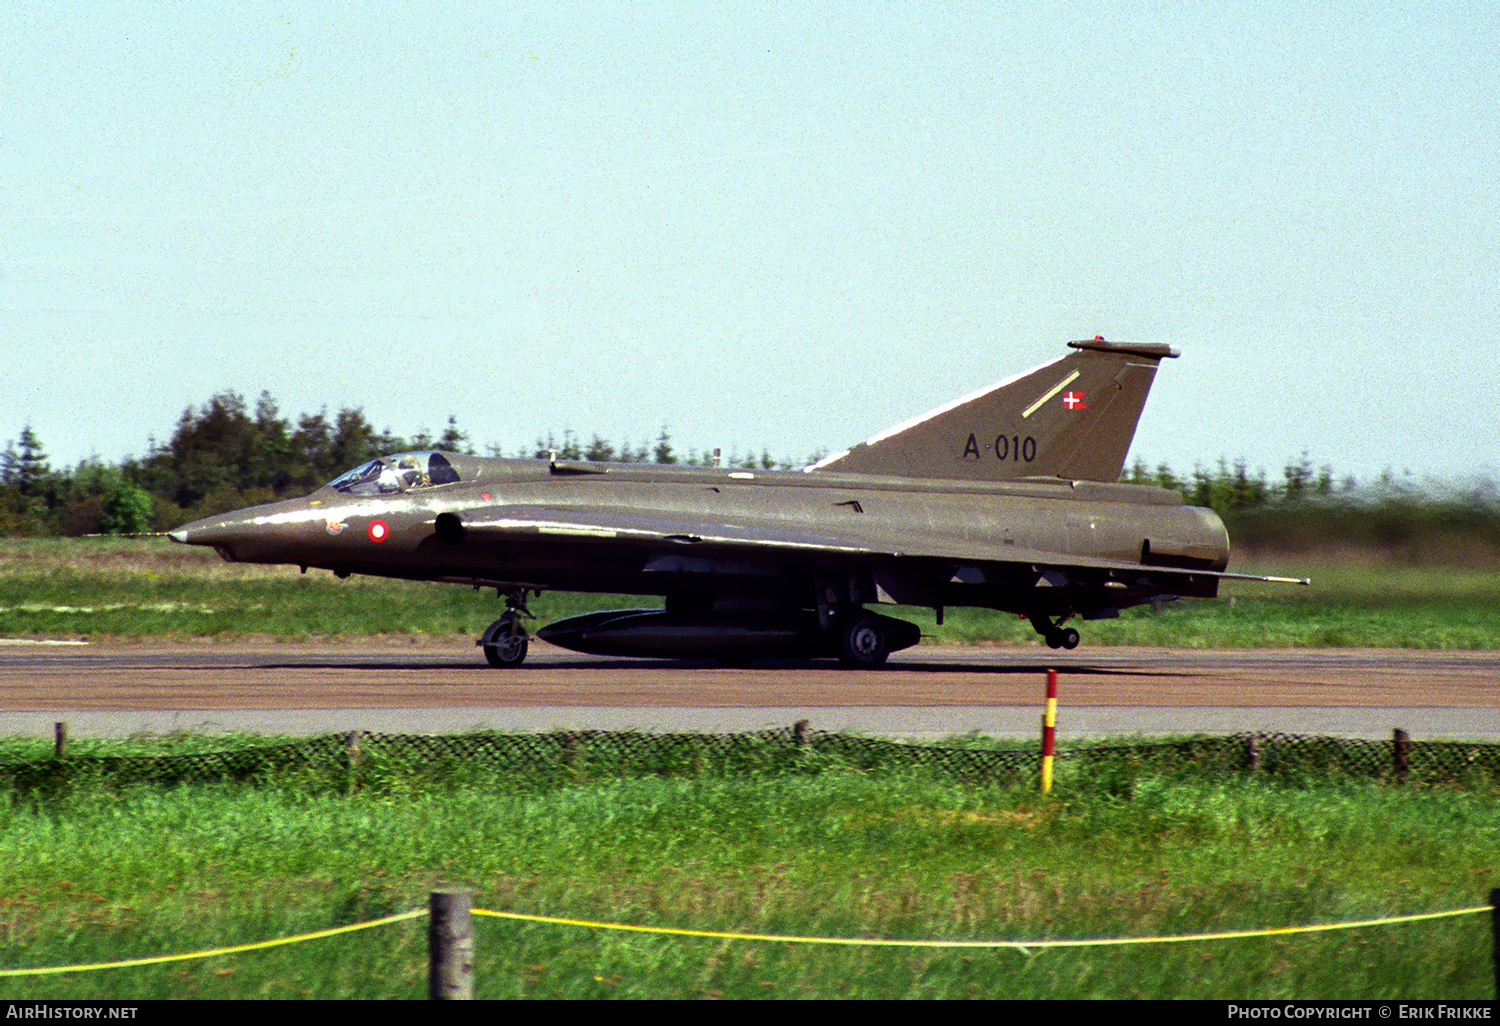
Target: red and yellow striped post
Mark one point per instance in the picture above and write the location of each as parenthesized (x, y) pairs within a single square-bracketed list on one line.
[(1049, 731)]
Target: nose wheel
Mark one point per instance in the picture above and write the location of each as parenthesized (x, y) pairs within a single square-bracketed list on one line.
[(508, 650), (505, 642)]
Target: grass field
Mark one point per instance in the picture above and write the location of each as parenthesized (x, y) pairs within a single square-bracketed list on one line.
[(102, 874), (104, 587)]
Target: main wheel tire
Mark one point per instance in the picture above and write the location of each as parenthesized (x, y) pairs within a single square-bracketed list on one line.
[(1068, 638), (863, 644), (508, 651)]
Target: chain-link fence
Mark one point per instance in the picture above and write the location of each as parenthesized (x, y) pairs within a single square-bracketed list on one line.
[(360, 758)]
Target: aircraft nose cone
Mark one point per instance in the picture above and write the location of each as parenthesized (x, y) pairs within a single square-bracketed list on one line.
[(242, 536), (219, 532), (208, 531), (278, 532)]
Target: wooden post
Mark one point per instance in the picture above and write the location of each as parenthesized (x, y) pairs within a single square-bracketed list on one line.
[(351, 750), (1402, 755), (799, 733), (1049, 731), (1495, 936), (1252, 752), (60, 740), (450, 947)]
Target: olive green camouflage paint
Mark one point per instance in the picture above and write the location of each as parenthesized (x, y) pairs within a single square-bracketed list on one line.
[(1005, 499)]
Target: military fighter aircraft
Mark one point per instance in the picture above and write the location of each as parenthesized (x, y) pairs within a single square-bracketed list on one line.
[(1006, 499)]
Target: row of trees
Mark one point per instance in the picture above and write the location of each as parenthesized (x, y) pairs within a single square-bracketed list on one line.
[(1229, 489), (225, 455), (221, 453), (1307, 510)]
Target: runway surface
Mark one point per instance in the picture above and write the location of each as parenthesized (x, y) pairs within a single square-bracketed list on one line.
[(113, 690)]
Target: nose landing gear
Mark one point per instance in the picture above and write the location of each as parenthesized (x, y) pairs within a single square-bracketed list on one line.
[(505, 642)]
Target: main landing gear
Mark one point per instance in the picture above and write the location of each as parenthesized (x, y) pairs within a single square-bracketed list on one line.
[(505, 641), (862, 641), (1066, 637)]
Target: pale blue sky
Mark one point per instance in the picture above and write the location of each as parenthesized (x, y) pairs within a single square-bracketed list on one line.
[(783, 225)]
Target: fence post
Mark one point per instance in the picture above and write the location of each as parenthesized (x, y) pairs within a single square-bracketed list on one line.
[(1401, 754), (1495, 936), (351, 750), (799, 733), (450, 947), (60, 740), (1049, 731), (1252, 752)]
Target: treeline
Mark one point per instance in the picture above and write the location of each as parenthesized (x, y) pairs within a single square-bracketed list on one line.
[(1308, 509), (1230, 489), (225, 455)]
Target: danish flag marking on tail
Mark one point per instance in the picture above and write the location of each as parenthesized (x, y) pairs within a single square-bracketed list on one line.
[(1074, 400), (1064, 383)]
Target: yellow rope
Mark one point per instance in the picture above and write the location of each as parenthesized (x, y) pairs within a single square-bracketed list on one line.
[(211, 952), (678, 931), (1019, 945)]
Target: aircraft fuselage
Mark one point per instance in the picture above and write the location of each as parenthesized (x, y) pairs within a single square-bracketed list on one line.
[(940, 540)]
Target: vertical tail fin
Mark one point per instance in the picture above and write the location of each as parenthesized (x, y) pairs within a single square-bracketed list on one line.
[(1073, 418)]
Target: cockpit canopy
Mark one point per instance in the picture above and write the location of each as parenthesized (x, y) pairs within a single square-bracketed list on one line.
[(402, 472)]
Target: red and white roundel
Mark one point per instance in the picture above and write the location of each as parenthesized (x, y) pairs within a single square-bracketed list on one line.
[(379, 531)]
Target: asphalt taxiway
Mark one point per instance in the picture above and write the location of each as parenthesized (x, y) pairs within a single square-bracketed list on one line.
[(442, 686)]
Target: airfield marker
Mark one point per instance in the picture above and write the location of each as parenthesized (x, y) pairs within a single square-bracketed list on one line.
[(1049, 731)]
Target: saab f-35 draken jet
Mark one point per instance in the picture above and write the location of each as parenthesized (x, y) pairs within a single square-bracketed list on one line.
[(1005, 499)]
